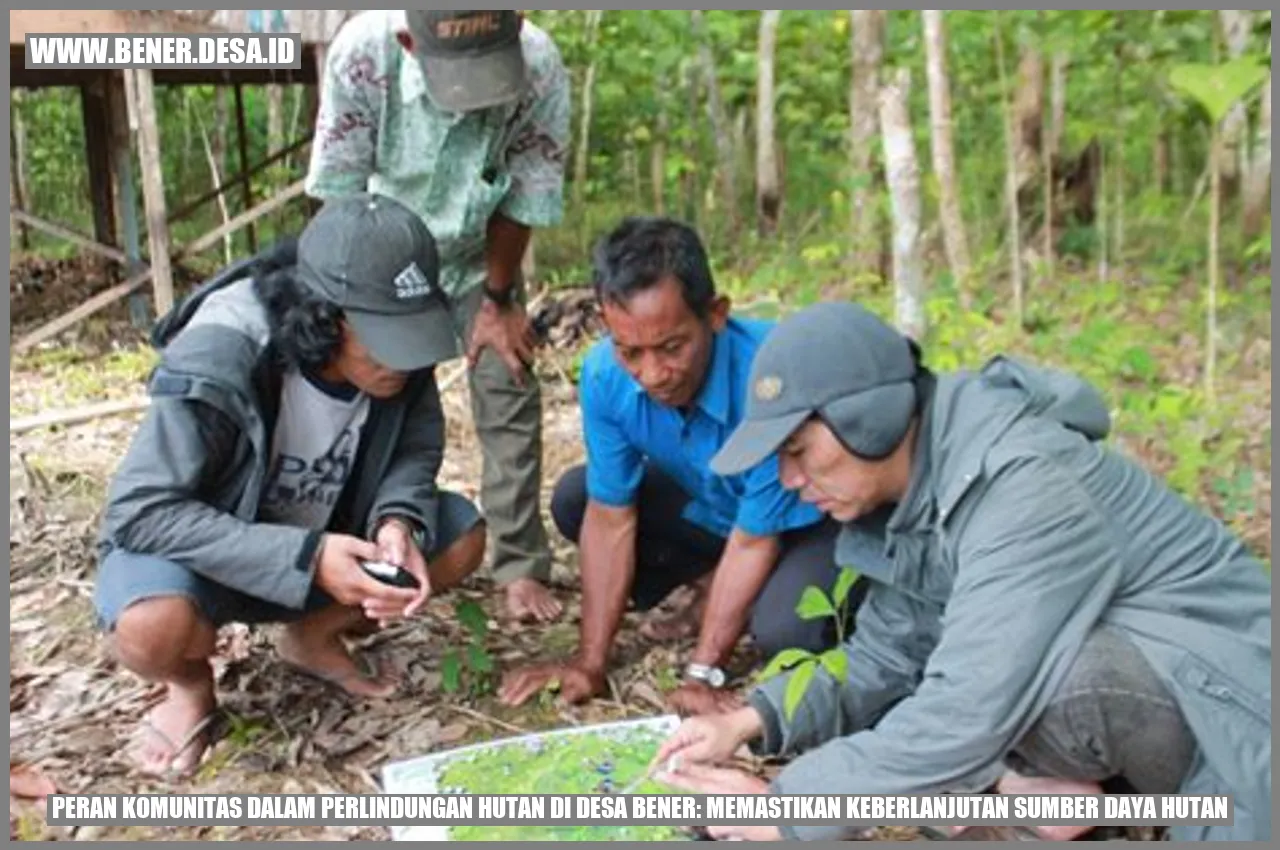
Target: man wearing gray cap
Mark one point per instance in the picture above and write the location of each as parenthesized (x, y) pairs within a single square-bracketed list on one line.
[(292, 443), (1055, 617), (463, 116)]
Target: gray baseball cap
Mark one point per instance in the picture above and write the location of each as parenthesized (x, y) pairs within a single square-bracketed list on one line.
[(836, 360), (375, 258), (471, 59)]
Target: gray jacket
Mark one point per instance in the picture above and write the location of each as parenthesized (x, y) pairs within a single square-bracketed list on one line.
[(1020, 532), (189, 485)]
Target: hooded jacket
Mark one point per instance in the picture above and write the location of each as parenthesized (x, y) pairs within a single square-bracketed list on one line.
[(189, 486), (1020, 532)]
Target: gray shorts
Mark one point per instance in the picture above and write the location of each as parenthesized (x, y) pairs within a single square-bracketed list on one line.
[(128, 577)]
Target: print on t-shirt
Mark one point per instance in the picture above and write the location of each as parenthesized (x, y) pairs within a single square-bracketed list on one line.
[(313, 451)]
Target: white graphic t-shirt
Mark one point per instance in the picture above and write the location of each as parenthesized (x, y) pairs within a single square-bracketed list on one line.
[(313, 451)]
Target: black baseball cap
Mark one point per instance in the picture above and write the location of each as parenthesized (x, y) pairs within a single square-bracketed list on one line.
[(839, 361), (471, 59), (377, 260)]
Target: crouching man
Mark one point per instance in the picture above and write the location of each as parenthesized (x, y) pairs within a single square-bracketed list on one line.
[(295, 432), (659, 398), (1055, 617)]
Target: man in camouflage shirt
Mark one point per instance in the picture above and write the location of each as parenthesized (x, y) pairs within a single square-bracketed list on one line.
[(463, 116)]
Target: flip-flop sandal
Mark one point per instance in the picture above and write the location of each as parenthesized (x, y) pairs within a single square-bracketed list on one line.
[(367, 669), (175, 751)]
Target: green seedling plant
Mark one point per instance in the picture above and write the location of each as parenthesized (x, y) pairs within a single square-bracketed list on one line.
[(472, 658), (815, 604)]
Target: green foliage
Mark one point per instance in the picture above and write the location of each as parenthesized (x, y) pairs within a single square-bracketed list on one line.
[(803, 665), (471, 664), (1217, 88)]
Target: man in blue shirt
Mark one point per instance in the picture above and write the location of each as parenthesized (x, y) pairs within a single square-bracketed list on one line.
[(659, 398)]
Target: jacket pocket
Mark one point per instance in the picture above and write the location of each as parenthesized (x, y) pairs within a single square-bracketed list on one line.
[(1223, 689)]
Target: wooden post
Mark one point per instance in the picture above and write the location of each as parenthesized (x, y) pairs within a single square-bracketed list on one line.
[(94, 113), (247, 184), (18, 164), (122, 125), (141, 91)]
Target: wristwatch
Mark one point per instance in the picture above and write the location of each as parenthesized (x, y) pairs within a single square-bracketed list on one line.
[(708, 674), (501, 299)]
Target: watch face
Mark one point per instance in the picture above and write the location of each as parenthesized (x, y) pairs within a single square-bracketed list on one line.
[(716, 678)]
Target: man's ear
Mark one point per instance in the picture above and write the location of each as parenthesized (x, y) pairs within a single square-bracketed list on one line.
[(405, 39), (718, 313)]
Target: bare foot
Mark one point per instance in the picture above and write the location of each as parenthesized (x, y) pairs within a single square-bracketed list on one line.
[(528, 599), (330, 661), (175, 735)]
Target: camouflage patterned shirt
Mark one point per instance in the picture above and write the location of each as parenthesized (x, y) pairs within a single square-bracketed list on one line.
[(378, 130)]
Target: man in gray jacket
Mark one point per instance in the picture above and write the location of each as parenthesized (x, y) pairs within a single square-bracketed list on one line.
[(294, 437), (1054, 618)]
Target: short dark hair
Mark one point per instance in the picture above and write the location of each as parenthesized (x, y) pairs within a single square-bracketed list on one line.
[(306, 330), (643, 250)]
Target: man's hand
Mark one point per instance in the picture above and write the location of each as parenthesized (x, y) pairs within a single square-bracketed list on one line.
[(701, 779), (577, 682), (508, 332), (694, 698), (712, 739), (339, 574), (396, 546)]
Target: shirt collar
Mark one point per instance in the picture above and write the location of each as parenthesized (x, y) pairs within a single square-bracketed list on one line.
[(713, 398)]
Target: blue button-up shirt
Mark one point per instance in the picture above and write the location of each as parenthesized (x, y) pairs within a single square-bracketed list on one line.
[(625, 429)]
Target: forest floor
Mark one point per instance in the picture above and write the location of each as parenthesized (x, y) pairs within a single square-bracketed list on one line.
[(73, 709)]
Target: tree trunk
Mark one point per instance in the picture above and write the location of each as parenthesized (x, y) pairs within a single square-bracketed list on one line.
[(275, 118), (215, 177), (689, 183), (1215, 216), (1117, 162), (903, 176), (953, 233), (1011, 181), (1233, 154), (18, 194), (658, 156), (866, 42), (1058, 103), (1029, 116), (768, 198), (725, 159), (221, 116), (1160, 158), (1257, 187), (584, 124)]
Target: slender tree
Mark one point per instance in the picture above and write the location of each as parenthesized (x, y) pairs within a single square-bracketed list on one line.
[(768, 195), (867, 46), (902, 173), (953, 231)]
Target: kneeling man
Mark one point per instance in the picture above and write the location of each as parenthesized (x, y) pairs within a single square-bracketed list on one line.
[(295, 432), (1055, 617), (659, 398)]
